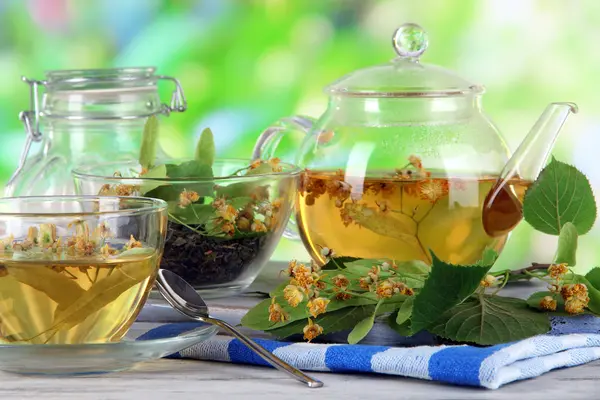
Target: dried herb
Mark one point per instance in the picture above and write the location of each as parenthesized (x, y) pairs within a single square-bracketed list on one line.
[(60, 288), (103, 292), (215, 232)]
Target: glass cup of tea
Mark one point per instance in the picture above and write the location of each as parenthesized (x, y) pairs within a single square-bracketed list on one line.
[(76, 269)]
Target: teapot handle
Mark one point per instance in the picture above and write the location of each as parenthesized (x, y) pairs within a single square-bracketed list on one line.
[(269, 139), (266, 147)]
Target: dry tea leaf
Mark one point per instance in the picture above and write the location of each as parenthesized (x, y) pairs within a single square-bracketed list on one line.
[(102, 293), (60, 288)]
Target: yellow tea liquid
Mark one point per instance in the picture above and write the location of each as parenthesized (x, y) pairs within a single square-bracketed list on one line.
[(74, 301), (402, 219)]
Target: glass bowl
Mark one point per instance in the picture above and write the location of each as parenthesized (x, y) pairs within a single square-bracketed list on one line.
[(222, 229), (76, 269)]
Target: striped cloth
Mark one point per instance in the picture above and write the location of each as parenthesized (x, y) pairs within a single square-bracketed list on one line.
[(488, 367)]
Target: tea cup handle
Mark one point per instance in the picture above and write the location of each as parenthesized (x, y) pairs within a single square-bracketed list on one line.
[(266, 147)]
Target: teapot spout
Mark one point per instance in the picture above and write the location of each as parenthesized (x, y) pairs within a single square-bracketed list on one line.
[(502, 208), (532, 154)]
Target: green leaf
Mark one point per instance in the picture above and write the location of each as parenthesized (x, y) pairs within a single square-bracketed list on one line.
[(341, 261), (593, 277), (489, 320), (205, 149), (242, 189), (189, 169), (258, 316), (560, 194), (149, 142), (156, 172), (264, 168), (567, 245), (416, 267), (240, 202), (403, 329), (489, 257), (405, 310), (331, 322), (363, 328), (194, 214), (446, 286)]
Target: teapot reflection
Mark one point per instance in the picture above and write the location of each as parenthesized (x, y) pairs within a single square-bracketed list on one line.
[(404, 163)]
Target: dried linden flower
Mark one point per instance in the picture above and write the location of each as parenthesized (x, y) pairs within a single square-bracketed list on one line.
[(187, 197), (293, 295), (415, 161), (341, 281), (548, 304), (258, 226), (557, 271), (317, 306), (488, 281), (274, 163), (575, 297), (327, 252), (276, 313), (312, 330), (385, 289)]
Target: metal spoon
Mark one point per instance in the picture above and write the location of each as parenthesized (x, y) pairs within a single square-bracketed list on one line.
[(182, 297)]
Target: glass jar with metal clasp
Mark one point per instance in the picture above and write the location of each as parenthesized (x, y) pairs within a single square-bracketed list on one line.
[(86, 116)]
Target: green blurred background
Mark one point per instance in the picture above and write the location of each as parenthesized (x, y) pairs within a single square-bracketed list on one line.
[(245, 63)]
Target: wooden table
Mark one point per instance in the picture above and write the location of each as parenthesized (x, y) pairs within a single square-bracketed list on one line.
[(175, 379)]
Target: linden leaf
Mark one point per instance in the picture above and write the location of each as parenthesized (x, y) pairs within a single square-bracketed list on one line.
[(194, 214), (567, 245), (593, 277), (102, 293), (335, 321), (489, 320), (59, 287), (559, 195), (398, 226), (363, 328), (488, 257), (258, 317), (189, 169), (149, 142), (405, 310), (205, 149), (446, 286), (157, 172)]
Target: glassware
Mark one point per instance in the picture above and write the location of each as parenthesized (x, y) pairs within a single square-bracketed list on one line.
[(138, 345), (76, 269), (85, 115), (403, 159), (243, 218)]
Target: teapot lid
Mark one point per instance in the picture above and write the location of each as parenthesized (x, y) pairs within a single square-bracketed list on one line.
[(405, 75)]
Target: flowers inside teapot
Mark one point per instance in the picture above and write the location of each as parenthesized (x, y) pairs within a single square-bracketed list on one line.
[(404, 162)]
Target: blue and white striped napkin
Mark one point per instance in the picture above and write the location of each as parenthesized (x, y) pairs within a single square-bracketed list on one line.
[(488, 367)]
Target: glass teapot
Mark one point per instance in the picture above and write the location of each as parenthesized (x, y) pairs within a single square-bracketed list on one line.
[(404, 162), (86, 116)]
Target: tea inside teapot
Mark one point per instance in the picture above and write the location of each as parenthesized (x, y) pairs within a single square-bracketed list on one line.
[(402, 216)]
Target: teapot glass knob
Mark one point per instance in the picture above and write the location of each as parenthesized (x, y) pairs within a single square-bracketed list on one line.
[(410, 41)]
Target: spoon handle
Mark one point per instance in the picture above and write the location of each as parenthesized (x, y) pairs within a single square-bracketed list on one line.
[(268, 356)]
